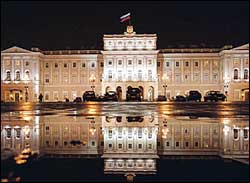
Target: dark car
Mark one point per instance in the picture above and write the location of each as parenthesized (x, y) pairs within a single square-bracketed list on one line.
[(78, 99), (111, 96), (180, 98), (89, 96), (194, 95), (101, 98), (135, 119), (133, 94), (161, 98), (214, 96)]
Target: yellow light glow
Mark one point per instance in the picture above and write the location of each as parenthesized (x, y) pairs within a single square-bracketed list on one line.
[(21, 161)]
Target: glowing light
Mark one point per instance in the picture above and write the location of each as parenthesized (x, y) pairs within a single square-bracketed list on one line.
[(226, 129), (92, 130), (21, 161)]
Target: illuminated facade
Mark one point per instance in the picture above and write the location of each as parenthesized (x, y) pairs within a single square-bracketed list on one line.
[(128, 59)]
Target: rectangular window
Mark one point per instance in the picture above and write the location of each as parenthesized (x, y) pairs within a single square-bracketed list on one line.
[(196, 64), (18, 133), (74, 64), (140, 75), (150, 75), (120, 146), (129, 62), (120, 133), (65, 65), (129, 75), (149, 62), (177, 64), (100, 65), (110, 146), (186, 64), (27, 63), (150, 146), (83, 64), (110, 62), (56, 65), (119, 75), (110, 74), (139, 62), (167, 143), (93, 143), (158, 64), (167, 64), (130, 146), (8, 131), (110, 134), (130, 133), (92, 65), (47, 65), (177, 144), (140, 146), (119, 62), (139, 133)]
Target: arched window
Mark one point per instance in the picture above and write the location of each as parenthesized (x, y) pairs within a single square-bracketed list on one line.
[(27, 75), (236, 134), (246, 74), (17, 76), (8, 78), (236, 74)]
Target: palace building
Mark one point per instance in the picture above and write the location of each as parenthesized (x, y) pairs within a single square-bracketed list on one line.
[(127, 60)]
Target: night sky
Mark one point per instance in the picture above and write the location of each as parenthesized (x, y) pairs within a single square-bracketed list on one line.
[(81, 25)]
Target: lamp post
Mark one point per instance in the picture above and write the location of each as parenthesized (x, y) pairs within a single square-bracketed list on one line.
[(164, 79), (92, 80), (226, 84)]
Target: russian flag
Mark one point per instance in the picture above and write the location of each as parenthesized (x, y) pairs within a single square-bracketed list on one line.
[(125, 17)]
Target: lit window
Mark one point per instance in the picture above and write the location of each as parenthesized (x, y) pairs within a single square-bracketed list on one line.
[(8, 78), (27, 75), (236, 134), (139, 133), (246, 75), (110, 134), (245, 133), (17, 76), (150, 76), (18, 133), (140, 75), (110, 74), (236, 74), (8, 131)]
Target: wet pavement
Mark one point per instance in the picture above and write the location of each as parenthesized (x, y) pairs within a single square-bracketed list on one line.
[(169, 141)]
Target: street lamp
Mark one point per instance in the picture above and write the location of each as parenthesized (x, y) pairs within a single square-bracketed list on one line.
[(92, 80), (164, 79), (226, 84)]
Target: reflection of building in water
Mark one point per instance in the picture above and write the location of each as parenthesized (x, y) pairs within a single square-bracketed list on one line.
[(129, 144), (71, 135), (20, 132), (125, 142), (206, 137)]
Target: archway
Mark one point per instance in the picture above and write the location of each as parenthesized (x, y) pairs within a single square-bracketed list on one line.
[(142, 92), (119, 93), (151, 93)]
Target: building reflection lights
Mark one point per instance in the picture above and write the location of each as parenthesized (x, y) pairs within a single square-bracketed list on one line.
[(126, 145)]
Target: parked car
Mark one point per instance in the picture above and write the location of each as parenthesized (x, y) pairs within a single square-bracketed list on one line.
[(135, 118), (101, 98), (214, 96), (133, 94), (180, 98), (89, 96), (78, 99), (111, 96), (161, 98), (194, 95)]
